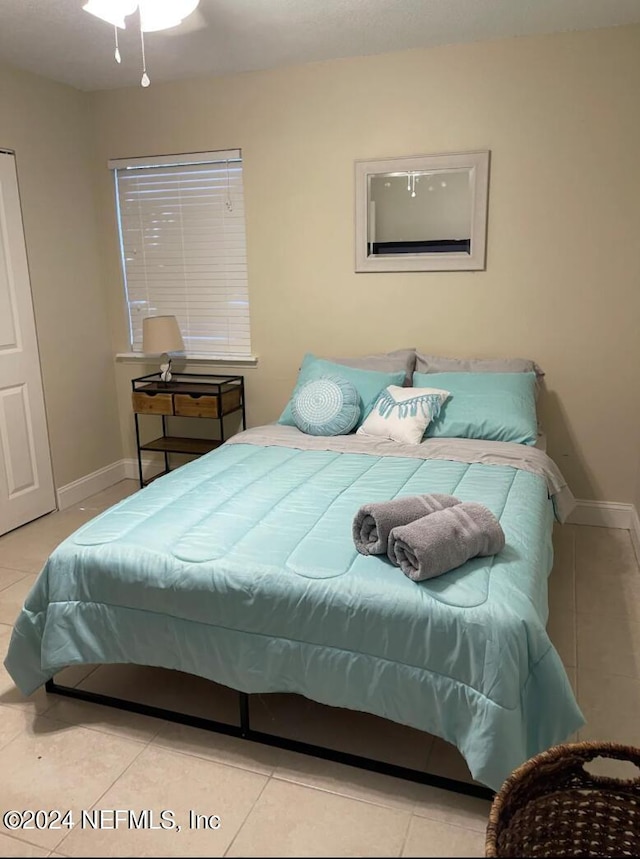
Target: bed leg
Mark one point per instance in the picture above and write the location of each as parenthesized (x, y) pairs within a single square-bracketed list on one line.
[(244, 714)]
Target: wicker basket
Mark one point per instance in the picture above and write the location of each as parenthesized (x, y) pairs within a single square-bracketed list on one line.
[(551, 806)]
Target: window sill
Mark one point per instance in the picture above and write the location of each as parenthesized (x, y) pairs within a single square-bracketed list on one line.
[(222, 360)]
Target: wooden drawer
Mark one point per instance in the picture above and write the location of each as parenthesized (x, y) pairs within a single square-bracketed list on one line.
[(205, 406), (152, 404)]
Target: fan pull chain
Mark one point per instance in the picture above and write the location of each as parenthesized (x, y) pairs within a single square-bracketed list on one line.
[(117, 50), (145, 77)]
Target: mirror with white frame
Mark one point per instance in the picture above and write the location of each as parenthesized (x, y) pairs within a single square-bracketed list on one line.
[(426, 213)]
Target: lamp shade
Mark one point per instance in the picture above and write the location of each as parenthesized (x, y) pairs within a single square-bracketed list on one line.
[(161, 334)]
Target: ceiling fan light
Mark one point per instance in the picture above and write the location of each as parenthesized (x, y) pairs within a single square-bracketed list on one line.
[(162, 14), (112, 11)]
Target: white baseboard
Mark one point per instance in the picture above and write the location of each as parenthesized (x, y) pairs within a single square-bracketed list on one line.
[(74, 493), (150, 467), (605, 514), (88, 485), (635, 532)]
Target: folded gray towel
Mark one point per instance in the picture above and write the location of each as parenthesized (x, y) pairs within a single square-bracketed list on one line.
[(444, 540), (373, 522)]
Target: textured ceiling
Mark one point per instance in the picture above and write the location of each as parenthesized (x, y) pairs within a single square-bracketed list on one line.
[(55, 38)]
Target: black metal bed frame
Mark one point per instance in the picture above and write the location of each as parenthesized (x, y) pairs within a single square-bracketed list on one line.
[(246, 732)]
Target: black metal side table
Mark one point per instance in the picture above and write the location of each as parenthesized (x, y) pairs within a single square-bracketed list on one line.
[(187, 395)]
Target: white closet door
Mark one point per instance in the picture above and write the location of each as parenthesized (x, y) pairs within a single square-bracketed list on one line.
[(26, 481)]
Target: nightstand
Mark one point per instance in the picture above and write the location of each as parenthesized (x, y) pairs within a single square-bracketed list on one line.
[(187, 395)]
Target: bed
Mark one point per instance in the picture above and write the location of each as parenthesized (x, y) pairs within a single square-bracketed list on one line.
[(240, 567)]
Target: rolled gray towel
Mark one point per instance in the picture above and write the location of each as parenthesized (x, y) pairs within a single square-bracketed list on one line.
[(373, 522), (444, 540)]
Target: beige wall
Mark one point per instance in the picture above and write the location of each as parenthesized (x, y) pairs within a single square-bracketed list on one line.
[(47, 126), (561, 117)]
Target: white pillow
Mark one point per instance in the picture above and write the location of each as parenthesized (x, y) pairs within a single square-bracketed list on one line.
[(403, 414)]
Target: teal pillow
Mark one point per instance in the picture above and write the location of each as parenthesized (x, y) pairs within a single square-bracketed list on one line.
[(491, 406), (326, 406), (368, 383)]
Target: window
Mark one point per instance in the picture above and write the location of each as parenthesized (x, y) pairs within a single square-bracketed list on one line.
[(183, 248)]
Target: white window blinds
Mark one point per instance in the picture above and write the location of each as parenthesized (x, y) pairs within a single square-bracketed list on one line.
[(183, 248)]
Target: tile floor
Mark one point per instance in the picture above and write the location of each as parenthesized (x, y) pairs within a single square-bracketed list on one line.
[(58, 753)]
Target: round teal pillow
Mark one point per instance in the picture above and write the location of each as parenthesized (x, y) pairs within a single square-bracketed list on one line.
[(326, 406)]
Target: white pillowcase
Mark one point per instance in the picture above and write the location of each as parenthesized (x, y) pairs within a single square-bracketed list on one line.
[(403, 414)]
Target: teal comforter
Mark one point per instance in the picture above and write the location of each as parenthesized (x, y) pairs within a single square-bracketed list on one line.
[(240, 567)]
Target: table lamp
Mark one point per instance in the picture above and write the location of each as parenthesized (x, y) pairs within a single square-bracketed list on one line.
[(160, 336)]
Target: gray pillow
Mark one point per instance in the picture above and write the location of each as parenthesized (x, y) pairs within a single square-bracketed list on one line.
[(439, 364), (384, 362)]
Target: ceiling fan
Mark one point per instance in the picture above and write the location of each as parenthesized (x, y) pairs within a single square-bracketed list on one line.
[(153, 15)]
